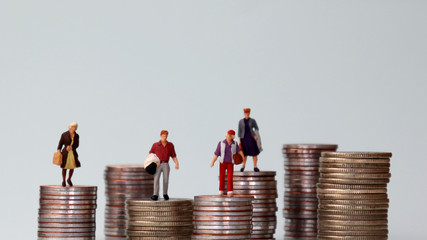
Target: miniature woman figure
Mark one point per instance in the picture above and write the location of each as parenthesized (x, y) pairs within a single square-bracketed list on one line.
[(163, 150), (226, 149), (249, 139), (70, 141)]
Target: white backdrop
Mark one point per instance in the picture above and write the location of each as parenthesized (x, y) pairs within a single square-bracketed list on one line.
[(346, 72)]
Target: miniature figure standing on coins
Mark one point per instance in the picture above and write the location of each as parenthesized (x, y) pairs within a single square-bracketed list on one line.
[(249, 139), (70, 141), (163, 150), (226, 149)]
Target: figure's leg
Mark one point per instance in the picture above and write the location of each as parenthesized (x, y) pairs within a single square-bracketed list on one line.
[(70, 174), (156, 180), (244, 163), (166, 172), (256, 169), (64, 174), (230, 171), (221, 178)]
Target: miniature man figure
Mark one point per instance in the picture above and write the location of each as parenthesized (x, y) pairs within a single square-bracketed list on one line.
[(164, 150), (226, 149), (249, 139)]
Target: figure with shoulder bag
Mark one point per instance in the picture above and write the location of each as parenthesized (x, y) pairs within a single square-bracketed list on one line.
[(67, 152), (230, 154), (249, 139)]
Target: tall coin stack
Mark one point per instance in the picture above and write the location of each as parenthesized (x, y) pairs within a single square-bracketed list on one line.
[(352, 192), (67, 212), (123, 182), (301, 177), (220, 217), (263, 187), (159, 220)]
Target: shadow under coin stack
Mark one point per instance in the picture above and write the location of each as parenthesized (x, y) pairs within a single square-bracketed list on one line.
[(263, 187), (220, 217), (301, 177), (159, 220), (67, 212), (122, 182), (352, 192)]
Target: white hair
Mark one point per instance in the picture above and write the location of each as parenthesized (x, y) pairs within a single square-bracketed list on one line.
[(72, 125)]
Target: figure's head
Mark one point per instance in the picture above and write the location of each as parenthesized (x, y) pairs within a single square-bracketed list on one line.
[(72, 127), (230, 135), (164, 135), (247, 112)]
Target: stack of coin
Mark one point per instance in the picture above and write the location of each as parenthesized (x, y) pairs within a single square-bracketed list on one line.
[(263, 187), (352, 192), (123, 182), (67, 212), (301, 177), (160, 220), (221, 217)]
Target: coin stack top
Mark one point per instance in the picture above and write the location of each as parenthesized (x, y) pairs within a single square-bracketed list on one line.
[(352, 192), (221, 217), (263, 187), (67, 212), (158, 220), (122, 182), (301, 177)]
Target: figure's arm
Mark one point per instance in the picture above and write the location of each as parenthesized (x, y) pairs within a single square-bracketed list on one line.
[(176, 162), (61, 142), (77, 142), (214, 160)]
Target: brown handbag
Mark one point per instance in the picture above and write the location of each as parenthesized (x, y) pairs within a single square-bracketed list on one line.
[(237, 159), (57, 158)]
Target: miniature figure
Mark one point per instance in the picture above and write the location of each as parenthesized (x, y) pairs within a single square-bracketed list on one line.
[(164, 150), (70, 141), (249, 139), (226, 149)]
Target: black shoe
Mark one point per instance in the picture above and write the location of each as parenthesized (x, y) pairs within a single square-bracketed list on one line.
[(256, 169), (155, 197), (166, 197), (242, 169), (63, 184), (69, 182)]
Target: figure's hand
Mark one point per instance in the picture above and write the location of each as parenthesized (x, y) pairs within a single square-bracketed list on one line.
[(68, 148), (59, 150), (177, 166), (255, 137), (212, 164)]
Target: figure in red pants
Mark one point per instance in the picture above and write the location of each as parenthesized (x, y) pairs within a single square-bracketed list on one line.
[(226, 150)]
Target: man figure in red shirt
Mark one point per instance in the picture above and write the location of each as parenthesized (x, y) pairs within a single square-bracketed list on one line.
[(164, 150)]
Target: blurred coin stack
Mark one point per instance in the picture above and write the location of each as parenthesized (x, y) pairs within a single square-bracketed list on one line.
[(263, 187), (352, 192), (220, 217), (301, 177), (159, 220), (123, 182), (67, 212)]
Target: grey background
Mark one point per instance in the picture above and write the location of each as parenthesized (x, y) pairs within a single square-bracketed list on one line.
[(346, 72)]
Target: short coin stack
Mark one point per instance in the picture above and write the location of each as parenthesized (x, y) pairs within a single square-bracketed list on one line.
[(123, 182), (220, 217), (159, 220), (352, 192), (67, 212), (301, 177), (263, 187)]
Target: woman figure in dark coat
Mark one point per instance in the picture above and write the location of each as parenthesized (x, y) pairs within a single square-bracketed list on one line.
[(70, 141), (249, 139)]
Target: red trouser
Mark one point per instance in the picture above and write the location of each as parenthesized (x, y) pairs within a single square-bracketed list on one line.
[(230, 168)]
